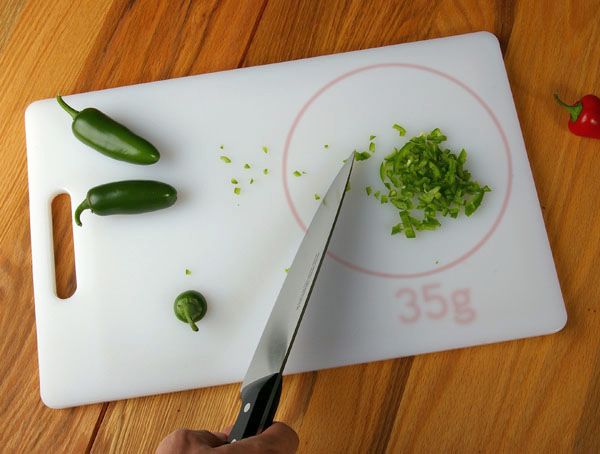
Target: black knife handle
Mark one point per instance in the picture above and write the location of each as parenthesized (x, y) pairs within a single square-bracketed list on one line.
[(259, 403)]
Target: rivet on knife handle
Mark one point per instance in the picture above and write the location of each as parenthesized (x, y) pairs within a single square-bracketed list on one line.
[(259, 403)]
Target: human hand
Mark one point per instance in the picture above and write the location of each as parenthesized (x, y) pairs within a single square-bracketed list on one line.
[(279, 438)]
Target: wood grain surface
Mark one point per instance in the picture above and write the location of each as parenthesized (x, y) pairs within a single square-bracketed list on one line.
[(535, 395)]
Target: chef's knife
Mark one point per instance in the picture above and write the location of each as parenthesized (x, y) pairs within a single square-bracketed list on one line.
[(261, 388)]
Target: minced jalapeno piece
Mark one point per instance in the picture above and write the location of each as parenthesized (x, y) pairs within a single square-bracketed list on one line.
[(109, 137), (190, 307), (127, 197)]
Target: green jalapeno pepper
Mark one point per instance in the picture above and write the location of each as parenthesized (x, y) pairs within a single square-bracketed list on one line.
[(110, 138), (127, 197), (190, 307)]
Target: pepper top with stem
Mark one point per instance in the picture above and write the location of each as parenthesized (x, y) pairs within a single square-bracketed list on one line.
[(190, 307)]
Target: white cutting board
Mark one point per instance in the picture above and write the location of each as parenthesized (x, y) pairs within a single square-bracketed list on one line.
[(476, 280)]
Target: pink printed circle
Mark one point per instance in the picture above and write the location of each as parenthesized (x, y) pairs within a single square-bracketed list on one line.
[(457, 82)]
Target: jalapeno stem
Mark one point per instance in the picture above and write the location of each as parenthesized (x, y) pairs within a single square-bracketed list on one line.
[(82, 206), (67, 108), (186, 313)]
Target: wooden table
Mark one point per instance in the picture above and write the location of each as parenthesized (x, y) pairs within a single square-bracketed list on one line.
[(536, 395)]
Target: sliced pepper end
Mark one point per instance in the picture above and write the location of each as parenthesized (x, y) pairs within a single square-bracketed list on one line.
[(67, 108), (80, 209), (574, 110)]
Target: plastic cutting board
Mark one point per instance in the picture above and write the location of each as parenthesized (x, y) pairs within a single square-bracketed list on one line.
[(477, 280)]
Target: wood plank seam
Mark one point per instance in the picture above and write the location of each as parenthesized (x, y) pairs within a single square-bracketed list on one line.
[(97, 426), (504, 23), (169, 70), (252, 34), (207, 31), (399, 376)]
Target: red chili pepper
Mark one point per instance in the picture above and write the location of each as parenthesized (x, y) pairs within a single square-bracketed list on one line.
[(585, 116)]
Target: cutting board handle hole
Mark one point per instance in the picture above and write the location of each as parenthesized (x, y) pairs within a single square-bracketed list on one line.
[(62, 238)]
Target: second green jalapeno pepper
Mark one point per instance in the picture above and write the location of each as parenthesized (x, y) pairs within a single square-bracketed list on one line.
[(127, 197), (109, 137)]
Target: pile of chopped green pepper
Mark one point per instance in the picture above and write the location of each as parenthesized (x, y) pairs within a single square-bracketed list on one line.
[(424, 179)]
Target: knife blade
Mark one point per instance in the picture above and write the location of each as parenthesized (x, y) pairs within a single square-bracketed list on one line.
[(261, 388)]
